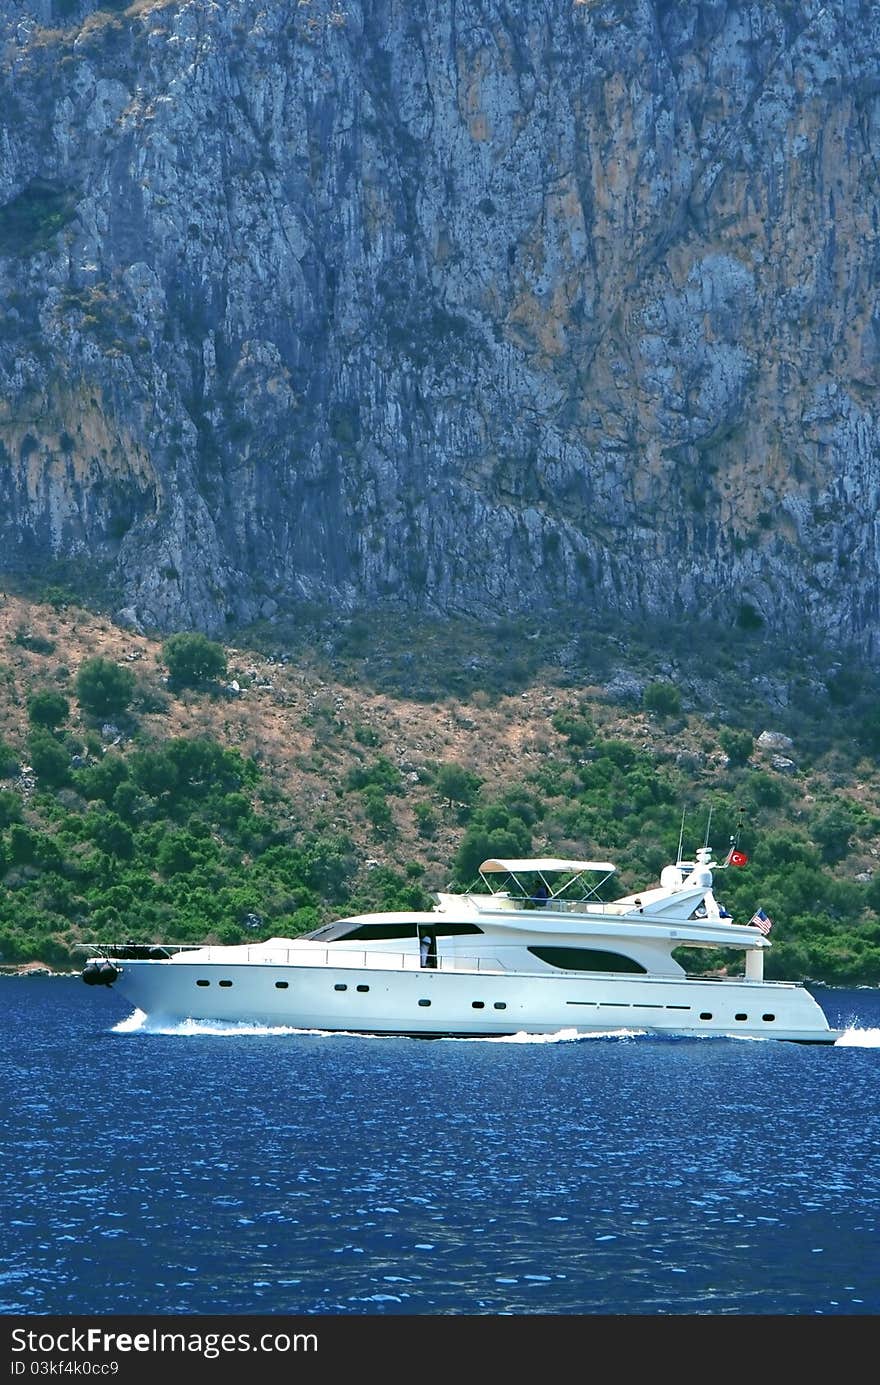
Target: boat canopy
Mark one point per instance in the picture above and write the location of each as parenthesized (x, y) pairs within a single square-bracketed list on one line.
[(544, 867), (544, 864)]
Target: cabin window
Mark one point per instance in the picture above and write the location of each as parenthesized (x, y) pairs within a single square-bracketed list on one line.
[(224, 983), (478, 1005), (499, 1005), (363, 988), (379, 932), (586, 959), (281, 985), (203, 983), (424, 1002), (386, 932), (705, 1015), (340, 986), (768, 1018), (740, 1017)]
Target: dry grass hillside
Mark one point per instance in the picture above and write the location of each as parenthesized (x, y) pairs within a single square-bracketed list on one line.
[(311, 714), (305, 727), (574, 744)]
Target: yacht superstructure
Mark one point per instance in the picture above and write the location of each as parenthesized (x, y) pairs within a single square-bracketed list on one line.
[(536, 951)]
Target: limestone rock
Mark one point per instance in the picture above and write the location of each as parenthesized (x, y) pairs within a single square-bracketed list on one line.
[(487, 309), (774, 740), (783, 765)]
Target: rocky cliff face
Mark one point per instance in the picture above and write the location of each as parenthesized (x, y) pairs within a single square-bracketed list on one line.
[(474, 305)]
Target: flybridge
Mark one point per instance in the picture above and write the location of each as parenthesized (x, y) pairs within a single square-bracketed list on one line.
[(573, 873)]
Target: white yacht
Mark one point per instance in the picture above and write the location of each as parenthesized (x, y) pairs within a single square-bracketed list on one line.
[(537, 952)]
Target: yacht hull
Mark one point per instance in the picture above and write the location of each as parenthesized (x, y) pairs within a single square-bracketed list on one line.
[(401, 1000)]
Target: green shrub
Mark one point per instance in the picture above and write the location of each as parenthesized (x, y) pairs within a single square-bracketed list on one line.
[(192, 660), (37, 644), (10, 808), (426, 820), (9, 761), (178, 854), (47, 708), (49, 759), (376, 807), (103, 779), (456, 784), (381, 774), (104, 688), (662, 698), (832, 829), (737, 745), (111, 835)]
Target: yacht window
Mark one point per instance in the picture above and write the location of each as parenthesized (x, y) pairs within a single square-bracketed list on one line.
[(768, 1018), (377, 932), (454, 930), (281, 985), (586, 959), (499, 1005), (705, 1015), (478, 1005), (224, 983), (424, 1002), (340, 987), (363, 988), (740, 1017), (203, 983)]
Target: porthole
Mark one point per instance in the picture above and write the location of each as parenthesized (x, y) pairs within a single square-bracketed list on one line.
[(740, 1016), (499, 1005), (768, 1018), (363, 988), (705, 1015), (340, 987), (203, 983), (478, 1005), (424, 1002), (281, 985), (224, 983)]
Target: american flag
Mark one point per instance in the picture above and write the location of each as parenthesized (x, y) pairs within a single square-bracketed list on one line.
[(761, 920)]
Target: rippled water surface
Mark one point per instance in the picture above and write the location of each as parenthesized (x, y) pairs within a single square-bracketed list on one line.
[(263, 1172)]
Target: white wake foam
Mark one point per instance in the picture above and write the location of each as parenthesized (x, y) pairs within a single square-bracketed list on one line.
[(140, 1023), (858, 1038), (561, 1036)]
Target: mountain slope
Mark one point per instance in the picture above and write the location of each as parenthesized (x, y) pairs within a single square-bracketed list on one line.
[(364, 766), (473, 309)]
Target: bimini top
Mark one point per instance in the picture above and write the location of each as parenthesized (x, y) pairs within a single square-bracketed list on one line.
[(542, 864), (544, 867)]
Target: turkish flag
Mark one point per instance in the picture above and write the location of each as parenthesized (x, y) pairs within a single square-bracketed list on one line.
[(738, 858)]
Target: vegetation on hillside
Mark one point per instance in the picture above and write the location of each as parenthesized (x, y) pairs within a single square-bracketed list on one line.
[(325, 780)]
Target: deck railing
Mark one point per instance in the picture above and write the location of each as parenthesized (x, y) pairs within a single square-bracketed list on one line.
[(358, 959)]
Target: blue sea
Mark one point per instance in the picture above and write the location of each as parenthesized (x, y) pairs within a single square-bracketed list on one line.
[(251, 1171)]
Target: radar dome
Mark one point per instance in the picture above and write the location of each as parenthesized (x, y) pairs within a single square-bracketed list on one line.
[(671, 877)]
